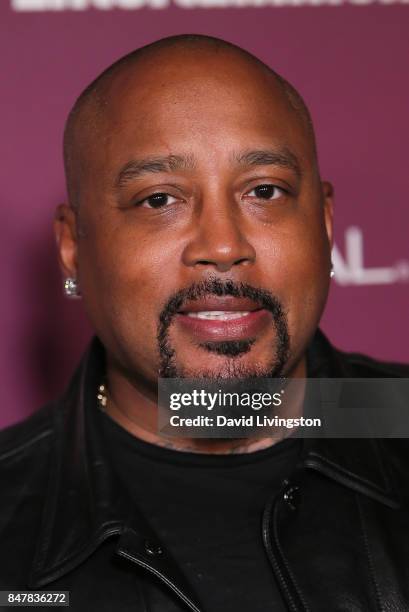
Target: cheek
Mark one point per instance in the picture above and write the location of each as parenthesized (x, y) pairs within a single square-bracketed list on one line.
[(125, 279), (120, 260), (297, 267), (296, 254)]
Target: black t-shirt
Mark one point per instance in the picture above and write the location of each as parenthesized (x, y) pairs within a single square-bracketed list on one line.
[(207, 511)]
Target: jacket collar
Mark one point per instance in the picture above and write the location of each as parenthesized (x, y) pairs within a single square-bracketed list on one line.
[(82, 505), (358, 463), (85, 504)]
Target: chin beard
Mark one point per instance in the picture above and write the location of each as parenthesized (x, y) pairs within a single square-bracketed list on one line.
[(231, 367), (232, 350), (228, 348)]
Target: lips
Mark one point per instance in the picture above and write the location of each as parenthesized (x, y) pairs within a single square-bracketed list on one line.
[(223, 318), (225, 303)]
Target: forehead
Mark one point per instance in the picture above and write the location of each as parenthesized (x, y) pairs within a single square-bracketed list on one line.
[(201, 103)]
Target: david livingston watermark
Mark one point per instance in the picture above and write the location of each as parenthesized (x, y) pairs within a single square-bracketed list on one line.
[(333, 408)]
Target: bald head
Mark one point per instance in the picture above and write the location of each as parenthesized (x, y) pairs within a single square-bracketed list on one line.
[(88, 122)]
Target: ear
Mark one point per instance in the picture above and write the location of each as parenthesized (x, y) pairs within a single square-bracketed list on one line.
[(328, 202), (66, 238)]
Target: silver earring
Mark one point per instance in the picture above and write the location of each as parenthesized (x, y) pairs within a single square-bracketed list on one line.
[(332, 272), (71, 288)]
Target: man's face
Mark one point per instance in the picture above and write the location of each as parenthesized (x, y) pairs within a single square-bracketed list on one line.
[(204, 231)]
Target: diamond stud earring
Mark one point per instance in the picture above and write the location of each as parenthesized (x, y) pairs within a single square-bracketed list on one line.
[(71, 288), (332, 273)]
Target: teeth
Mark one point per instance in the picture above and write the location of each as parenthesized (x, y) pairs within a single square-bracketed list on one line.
[(217, 315)]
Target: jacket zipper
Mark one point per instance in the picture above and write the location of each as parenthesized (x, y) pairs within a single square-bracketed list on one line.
[(127, 555), (271, 505)]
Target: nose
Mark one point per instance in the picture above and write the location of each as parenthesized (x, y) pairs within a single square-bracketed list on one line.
[(219, 241)]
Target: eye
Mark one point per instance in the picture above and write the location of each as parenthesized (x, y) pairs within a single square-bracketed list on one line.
[(157, 200), (266, 192)]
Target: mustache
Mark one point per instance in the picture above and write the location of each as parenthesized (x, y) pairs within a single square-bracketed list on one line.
[(214, 286)]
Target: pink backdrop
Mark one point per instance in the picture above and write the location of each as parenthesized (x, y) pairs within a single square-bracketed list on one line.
[(351, 64)]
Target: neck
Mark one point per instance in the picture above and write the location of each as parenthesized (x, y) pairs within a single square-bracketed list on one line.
[(138, 414)]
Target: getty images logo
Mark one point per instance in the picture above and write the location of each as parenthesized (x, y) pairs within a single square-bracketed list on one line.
[(103, 5)]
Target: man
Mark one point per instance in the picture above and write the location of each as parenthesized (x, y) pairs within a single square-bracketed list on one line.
[(198, 234)]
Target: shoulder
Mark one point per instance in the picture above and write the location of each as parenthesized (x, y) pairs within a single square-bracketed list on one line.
[(27, 438), (24, 458), (395, 454), (24, 474), (358, 365), (326, 360), (394, 450)]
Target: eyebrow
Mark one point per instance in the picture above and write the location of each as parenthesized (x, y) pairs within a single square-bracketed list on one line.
[(136, 168), (282, 156), (166, 163)]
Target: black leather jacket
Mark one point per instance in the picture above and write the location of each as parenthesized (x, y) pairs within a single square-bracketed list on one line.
[(337, 535)]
